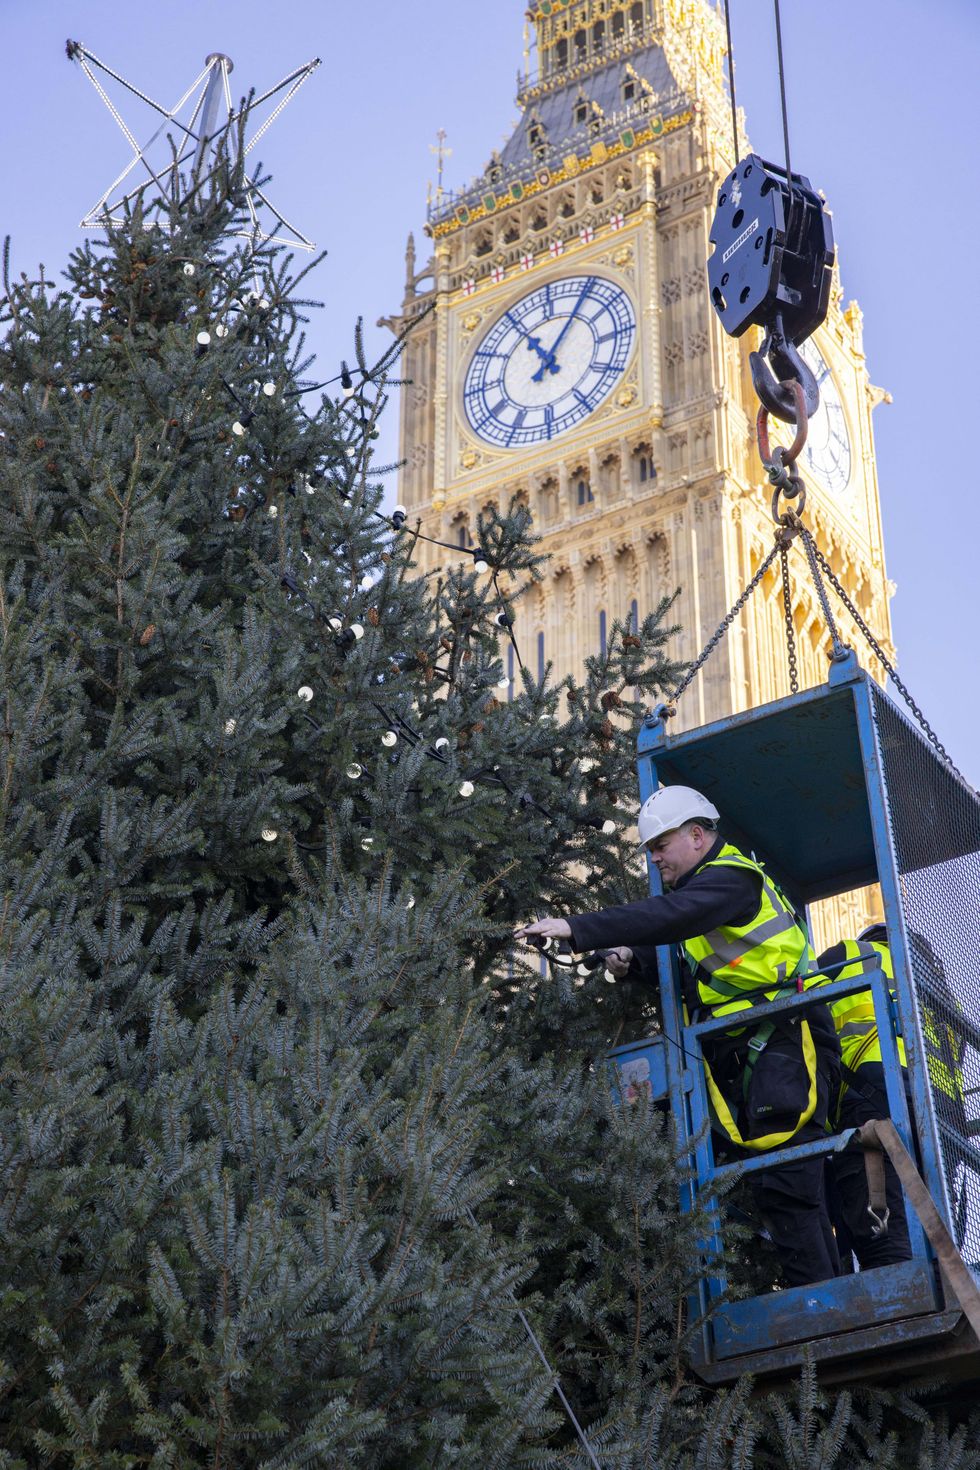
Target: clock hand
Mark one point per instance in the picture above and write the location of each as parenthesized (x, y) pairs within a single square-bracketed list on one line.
[(551, 362), (532, 342)]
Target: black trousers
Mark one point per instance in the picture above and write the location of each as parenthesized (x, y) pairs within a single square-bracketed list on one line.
[(792, 1199), (851, 1182)]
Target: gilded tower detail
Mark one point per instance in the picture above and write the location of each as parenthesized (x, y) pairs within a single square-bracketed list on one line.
[(573, 361)]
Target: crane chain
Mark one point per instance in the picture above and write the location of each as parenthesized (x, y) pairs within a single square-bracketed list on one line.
[(886, 664), (794, 678), (722, 628)]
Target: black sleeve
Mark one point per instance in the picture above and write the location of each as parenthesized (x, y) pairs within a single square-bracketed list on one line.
[(713, 896), (835, 955)]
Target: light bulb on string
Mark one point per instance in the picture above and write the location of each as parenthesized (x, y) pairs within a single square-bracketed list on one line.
[(273, 511), (188, 268), (608, 827), (503, 682), (367, 843), (357, 631), (269, 834), (480, 563), (398, 517), (346, 381), (269, 389), (504, 620), (389, 738), (305, 693), (410, 903), (442, 743), (231, 726), (334, 624), (204, 339), (467, 788), (240, 425), (221, 330), (354, 771)]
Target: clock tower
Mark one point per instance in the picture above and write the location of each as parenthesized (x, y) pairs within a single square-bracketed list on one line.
[(573, 360)]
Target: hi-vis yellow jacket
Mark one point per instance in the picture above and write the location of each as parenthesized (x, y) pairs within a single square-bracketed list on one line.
[(857, 1031), (743, 965), (740, 965)]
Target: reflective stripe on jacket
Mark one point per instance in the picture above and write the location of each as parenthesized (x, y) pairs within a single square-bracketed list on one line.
[(740, 965), (857, 1031), (854, 1015)]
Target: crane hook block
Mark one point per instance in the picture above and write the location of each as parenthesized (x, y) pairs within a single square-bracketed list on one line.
[(773, 251)]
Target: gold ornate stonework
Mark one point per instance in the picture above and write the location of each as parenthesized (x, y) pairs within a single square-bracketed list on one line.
[(674, 496)]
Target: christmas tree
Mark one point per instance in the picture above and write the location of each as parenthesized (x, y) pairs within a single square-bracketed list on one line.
[(302, 1163)]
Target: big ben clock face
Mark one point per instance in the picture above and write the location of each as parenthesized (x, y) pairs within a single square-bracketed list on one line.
[(827, 451), (549, 361)]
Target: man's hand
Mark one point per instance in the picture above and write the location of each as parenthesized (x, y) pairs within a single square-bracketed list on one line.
[(618, 961), (545, 929)]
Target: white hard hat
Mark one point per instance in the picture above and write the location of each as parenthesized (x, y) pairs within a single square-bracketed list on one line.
[(669, 808)]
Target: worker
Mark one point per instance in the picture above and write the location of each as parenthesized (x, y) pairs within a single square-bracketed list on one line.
[(743, 944), (862, 1096)]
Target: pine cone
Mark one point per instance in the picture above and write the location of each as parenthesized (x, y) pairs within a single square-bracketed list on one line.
[(38, 443), (610, 700), (373, 617), (447, 644), (147, 634), (631, 641), (572, 696), (606, 730)]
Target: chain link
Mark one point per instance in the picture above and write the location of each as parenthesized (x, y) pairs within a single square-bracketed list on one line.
[(723, 627), (886, 664), (810, 546), (794, 678)]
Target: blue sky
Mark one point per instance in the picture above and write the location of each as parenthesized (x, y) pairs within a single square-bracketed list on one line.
[(884, 117)]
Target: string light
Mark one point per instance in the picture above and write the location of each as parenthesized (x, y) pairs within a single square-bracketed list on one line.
[(467, 788), (231, 726), (269, 389), (346, 381), (204, 339), (240, 425), (389, 738), (411, 901), (334, 624), (504, 620), (269, 834), (503, 682), (354, 771), (442, 743), (398, 517), (480, 563), (273, 511), (188, 268), (608, 828), (305, 693), (221, 330), (367, 843)]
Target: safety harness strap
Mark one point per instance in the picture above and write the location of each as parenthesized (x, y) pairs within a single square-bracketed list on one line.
[(881, 1134)]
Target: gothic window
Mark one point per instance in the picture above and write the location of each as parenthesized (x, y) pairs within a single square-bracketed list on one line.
[(540, 655), (561, 52), (598, 36), (539, 222), (581, 109), (483, 243), (618, 25), (602, 632), (645, 470), (566, 207), (511, 231), (583, 491), (629, 89), (580, 46), (636, 17), (634, 618), (596, 194)]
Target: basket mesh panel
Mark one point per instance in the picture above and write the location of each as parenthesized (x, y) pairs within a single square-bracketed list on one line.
[(936, 834)]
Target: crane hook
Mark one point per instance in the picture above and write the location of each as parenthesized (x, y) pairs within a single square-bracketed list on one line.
[(774, 385)]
